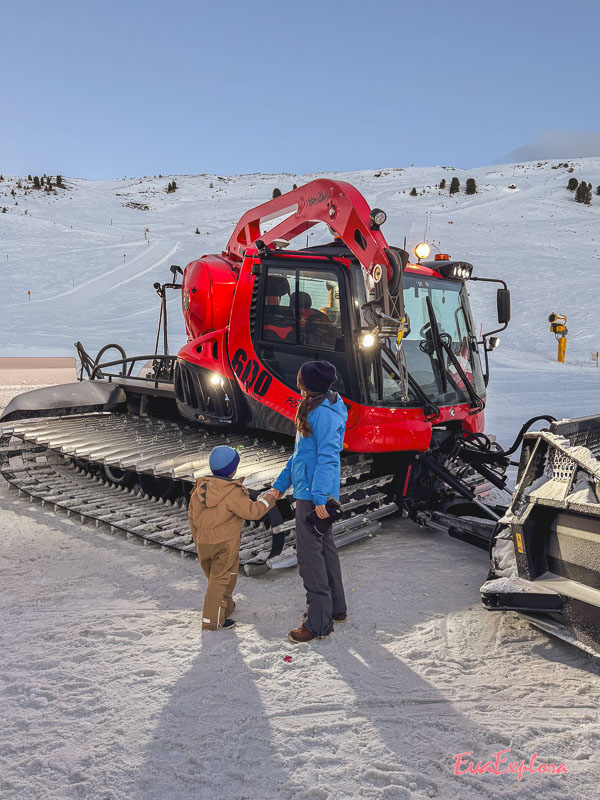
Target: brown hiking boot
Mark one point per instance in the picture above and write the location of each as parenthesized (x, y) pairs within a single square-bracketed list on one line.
[(302, 634)]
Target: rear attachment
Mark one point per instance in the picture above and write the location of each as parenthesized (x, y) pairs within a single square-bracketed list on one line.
[(135, 474), (545, 555)]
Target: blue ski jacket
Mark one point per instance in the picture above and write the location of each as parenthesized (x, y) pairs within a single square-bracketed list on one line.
[(314, 467)]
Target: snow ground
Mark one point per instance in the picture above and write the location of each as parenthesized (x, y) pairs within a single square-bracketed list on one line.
[(109, 690)]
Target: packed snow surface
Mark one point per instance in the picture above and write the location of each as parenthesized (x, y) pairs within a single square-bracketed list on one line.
[(109, 688)]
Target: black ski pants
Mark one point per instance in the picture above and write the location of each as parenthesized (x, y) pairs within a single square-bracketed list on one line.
[(319, 567)]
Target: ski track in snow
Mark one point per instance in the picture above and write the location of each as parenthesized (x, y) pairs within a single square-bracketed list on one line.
[(109, 689)]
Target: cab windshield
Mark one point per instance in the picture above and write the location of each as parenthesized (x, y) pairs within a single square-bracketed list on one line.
[(450, 304)]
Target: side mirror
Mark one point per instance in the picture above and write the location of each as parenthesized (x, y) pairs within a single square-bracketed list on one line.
[(503, 304)]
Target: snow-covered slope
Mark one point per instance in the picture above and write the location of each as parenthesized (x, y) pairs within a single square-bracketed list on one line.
[(89, 262)]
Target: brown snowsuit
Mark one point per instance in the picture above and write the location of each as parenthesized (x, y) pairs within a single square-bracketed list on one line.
[(218, 508)]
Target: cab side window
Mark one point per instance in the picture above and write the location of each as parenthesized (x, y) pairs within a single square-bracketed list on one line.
[(319, 314), (279, 322), (302, 321)]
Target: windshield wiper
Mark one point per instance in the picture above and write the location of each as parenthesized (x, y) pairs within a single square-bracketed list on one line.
[(477, 402), (441, 344), (430, 409), (437, 344)]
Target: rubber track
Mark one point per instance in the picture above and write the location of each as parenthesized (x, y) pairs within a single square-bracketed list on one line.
[(36, 457)]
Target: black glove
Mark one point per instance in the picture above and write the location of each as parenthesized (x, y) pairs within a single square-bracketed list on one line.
[(321, 526)]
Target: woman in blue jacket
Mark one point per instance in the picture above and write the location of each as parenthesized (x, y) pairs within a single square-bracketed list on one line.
[(314, 472)]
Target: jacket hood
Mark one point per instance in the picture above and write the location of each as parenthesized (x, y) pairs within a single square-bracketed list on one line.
[(211, 490), (338, 407)]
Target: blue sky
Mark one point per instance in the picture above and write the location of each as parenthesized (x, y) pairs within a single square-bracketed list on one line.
[(104, 90)]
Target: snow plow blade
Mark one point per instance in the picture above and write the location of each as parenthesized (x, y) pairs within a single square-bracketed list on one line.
[(80, 397), (545, 555)]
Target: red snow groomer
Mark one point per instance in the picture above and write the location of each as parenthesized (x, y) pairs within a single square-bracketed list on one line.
[(400, 334)]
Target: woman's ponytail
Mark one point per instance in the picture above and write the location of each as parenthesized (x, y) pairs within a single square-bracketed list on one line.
[(310, 401)]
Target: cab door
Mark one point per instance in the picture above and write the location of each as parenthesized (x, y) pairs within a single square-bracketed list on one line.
[(298, 313), (304, 319)]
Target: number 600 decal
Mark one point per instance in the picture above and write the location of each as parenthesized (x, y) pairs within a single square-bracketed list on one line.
[(250, 373)]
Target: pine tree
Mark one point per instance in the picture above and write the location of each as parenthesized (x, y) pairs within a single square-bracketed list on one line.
[(454, 185), (59, 180), (443, 183), (36, 182), (174, 185), (29, 177), (1, 177), (197, 231), (572, 184), (471, 187), (584, 193), (294, 186), (413, 192), (211, 186), (276, 193), (42, 180), (4, 209), (597, 189)]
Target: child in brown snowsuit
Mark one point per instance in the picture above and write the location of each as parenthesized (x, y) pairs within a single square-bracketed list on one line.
[(218, 507)]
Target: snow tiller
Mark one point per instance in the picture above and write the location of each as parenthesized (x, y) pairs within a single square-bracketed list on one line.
[(399, 332), (545, 553)]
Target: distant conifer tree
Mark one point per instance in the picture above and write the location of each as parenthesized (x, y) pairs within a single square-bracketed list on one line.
[(443, 183), (174, 185), (294, 186), (572, 184), (471, 187), (36, 181), (1, 177), (211, 186), (4, 210), (29, 177), (584, 193), (197, 231), (12, 191), (597, 189), (413, 192), (59, 180), (454, 185), (276, 193), (42, 180)]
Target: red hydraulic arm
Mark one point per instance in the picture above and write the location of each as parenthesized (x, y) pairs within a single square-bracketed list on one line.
[(336, 203)]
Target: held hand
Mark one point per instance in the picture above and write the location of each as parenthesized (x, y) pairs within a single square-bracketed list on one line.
[(321, 512), (276, 493)]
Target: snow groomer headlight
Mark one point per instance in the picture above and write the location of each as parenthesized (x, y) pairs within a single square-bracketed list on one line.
[(459, 270)]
